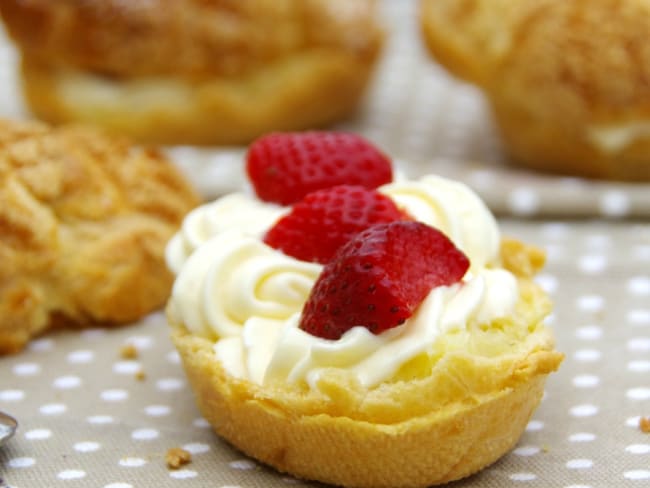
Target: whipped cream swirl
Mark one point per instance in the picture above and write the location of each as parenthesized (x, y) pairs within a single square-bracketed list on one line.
[(237, 211), (236, 290)]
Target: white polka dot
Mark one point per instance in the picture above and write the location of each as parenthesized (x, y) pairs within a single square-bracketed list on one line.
[(38, 434), (159, 317), (127, 367), (132, 462), (181, 474), (579, 463), (523, 476), (549, 283), (586, 410), (242, 464), (641, 366), (590, 303), (639, 344), (639, 316), (586, 381), (638, 448), (523, 201), (170, 384), (83, 356), (144, 434), (87, 446), (11, 395), (119, 485), (550, 319), (555, 230), (637, 474), (201, 423), (100, 419), (157, 410), (173, 357), (633, 422), (26, 369), (587, 355), (582, 437), (592, 263), (527, 451), (641, 393), (93, 334), (639, 285), (67, 382), (53, 409), (534, 425), (114, 395), (614, 203), (196, 448), (140, 342), (41, 345), (21, 462), (589, 332)]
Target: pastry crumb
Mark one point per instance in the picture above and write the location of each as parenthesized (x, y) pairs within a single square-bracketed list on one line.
[(140, 375), (128, 351), (177, 457), (644, 425)]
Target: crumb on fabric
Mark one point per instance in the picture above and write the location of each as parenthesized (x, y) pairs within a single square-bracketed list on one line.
[(644, 425), (128, 351), (177, 457)]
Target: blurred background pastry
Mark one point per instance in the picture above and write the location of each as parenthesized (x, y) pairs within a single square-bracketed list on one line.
[(84, 220), (568, 82), (195, 71)]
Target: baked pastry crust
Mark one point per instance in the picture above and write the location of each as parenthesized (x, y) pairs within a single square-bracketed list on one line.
[(566, 100), (196, 71), (443, 417), (84, 219)]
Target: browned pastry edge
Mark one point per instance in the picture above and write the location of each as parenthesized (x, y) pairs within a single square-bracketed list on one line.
[(84, 219), (566, 100), (310, 90), (420, 452), (188, 38)]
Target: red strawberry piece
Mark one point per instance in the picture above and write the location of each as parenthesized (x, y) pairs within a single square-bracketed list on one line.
[(326, 219), (379, 277), (284, 167)]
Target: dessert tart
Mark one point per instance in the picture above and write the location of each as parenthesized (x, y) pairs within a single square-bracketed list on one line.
[(566, 100), (193, 71), (374, 334), (84, 219)]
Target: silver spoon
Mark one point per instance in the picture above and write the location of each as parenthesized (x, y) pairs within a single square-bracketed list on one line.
[(8, 426)]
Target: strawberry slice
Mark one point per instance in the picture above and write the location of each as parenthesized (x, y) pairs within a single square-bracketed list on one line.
[(326, 219), (379, 277), (284, 167)]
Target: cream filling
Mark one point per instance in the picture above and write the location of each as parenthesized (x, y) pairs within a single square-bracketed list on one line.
[(236, 290), (614, 138)]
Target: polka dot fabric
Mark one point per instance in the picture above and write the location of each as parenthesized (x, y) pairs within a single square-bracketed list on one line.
[(92, 417)]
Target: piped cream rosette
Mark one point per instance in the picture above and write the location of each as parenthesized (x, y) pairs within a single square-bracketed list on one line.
[(470, 350)]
